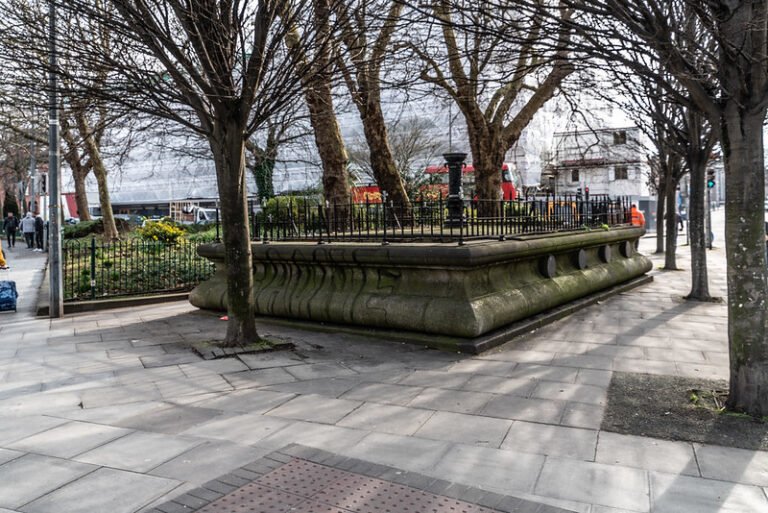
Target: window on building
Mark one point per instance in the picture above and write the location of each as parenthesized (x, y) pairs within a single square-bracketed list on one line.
[(621, 173), (620, 137), (574, 175)]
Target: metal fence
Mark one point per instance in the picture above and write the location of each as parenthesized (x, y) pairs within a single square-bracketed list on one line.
[(95, 270), (436, 221)]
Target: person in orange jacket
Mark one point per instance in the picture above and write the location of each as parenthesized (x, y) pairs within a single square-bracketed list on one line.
[(3, 263), (636, 216)]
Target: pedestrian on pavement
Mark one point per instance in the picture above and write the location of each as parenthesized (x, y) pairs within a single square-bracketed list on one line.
[(39, 229), (10, 226), (28, 229), (3, 263), (636, 216)]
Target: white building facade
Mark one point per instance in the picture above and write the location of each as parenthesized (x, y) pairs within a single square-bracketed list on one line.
[(609, 161)]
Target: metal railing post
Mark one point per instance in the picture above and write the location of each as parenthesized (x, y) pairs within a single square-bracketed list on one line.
[(93, 268)]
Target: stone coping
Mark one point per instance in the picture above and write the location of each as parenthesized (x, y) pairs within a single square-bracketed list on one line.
[(429, 254)]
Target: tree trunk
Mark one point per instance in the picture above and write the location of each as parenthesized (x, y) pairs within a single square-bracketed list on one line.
[(742, 144), (74, 158), (382, 162), (661, 201), (670, 253), (228, 147), (81, 197), (330, 144), (697, 232), (487, 158), (100, 172)]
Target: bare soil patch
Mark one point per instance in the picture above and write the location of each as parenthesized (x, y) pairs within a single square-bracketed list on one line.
[(676, 408)]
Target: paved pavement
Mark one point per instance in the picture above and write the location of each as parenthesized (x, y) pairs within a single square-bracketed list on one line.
[(107, 411)]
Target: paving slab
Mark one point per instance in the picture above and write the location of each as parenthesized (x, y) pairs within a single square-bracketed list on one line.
[(595, 483), (7, 455), (579, 393), (171, 419), (489, 469), (647, 453), (386, 418), (104, 490), (328, 387), (245, 428), (320, 436), (68, 440), (211, 459), (314, 408), (258, 378), (520, 408), (451, 400), (245, 401), (319, 370), (138, 451), (270, 360), (674, 494), (435, 379), (560, 441), (466, 429), (16, 428), (29, 477), (729, 464), (405, 452), (384, 393), (499, 385)]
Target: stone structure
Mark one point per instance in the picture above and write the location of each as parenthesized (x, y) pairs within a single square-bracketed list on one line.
[(459, 292)]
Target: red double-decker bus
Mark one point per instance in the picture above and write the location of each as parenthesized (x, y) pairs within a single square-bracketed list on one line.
[(439, 179), (438, 185)]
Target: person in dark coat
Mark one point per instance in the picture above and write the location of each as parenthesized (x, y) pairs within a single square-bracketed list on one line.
[(39, 229), (11, 226)]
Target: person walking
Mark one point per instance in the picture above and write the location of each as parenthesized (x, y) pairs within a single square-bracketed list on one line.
[(39, 229), (11, 226), (636, 216), (28, 229)]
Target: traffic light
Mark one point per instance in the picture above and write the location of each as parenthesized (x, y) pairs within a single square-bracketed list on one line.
[(710, 178), (43, 183)]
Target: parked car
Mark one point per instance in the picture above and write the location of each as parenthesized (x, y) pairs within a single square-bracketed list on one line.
[(71, 220)]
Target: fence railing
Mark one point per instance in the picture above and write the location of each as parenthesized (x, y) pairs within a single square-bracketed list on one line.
[(436, 221), (94, 270)]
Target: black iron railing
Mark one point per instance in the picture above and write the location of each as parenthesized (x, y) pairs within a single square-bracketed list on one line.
[(94, 270), (429, 221)]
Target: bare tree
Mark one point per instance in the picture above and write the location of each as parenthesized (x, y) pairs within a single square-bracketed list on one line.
[(500, 64), (367, 36), (724, 70), (220, 69), (412, 145), (314, 68)]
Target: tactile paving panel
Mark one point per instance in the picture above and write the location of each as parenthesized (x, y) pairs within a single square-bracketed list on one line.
[(301, 486), (302, 477), (254, 498)]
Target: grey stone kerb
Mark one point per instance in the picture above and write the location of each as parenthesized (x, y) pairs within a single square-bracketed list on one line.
[(446, 289)]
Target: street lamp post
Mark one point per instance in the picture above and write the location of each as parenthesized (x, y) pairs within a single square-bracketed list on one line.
[(54, 176)]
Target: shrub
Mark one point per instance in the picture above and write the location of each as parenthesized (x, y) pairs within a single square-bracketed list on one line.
[(161, 231), (83, 229), (278, 206), (209, 235)]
